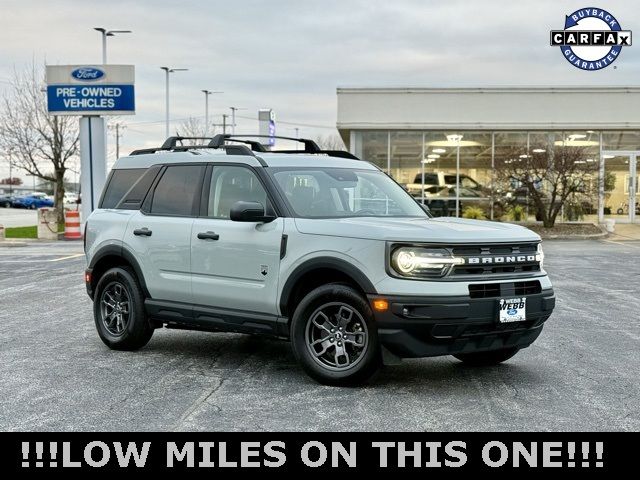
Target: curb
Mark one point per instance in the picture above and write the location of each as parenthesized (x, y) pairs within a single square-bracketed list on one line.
[(10, 244), (589, 236)]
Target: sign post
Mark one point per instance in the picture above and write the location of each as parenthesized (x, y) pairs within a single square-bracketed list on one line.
[(90, 92)]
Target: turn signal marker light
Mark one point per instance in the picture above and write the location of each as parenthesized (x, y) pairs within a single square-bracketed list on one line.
[(380, 305)]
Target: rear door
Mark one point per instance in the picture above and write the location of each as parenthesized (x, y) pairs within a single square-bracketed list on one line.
[(160, 234), (235, 264)]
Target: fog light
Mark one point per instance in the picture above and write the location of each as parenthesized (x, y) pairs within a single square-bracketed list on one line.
[(380, 305)]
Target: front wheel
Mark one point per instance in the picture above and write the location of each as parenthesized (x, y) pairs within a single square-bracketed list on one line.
[(333, 336), (486, 359), (118, 310)]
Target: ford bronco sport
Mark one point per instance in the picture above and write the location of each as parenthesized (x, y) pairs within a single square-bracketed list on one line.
[(313, 246)]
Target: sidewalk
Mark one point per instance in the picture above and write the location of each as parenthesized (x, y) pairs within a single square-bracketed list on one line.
[(625, 232)]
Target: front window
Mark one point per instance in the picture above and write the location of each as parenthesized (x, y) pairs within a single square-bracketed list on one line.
[(340, 192)]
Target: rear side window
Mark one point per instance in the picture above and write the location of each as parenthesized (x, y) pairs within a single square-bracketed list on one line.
[(176, 191), (119, 183)]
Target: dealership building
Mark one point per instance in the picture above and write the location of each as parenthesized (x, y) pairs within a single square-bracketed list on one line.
[(466, 135)]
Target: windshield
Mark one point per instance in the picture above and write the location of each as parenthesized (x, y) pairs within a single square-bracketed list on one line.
[(342, 192)]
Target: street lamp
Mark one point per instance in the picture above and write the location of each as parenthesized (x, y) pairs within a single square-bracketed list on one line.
[(233, 118), (455, 138), (107, 33), (206, 109), (167, 71)]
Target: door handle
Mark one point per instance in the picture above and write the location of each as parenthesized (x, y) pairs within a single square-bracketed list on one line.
[(142, 232), (208, 236)]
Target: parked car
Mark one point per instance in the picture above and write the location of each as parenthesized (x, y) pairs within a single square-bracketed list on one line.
[(312, 246), (6, 201), (440, 180), (32, 202)]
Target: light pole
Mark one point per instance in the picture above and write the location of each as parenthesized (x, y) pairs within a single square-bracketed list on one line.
[(233, 118), (167, 71), (206, 109), (107, 33), (456, 139)]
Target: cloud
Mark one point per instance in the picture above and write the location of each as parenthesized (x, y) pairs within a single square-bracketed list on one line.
[(291, 55)]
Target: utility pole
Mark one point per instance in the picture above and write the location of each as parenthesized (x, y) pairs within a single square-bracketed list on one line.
[(117, 127), (224, 123)]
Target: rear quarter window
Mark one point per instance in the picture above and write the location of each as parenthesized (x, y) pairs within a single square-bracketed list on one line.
[(120, 181)]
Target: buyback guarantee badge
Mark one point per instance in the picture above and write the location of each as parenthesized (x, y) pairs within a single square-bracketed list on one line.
[(592, 38)]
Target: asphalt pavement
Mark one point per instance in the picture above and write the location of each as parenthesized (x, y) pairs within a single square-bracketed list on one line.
[(55, 374), (18, 217)]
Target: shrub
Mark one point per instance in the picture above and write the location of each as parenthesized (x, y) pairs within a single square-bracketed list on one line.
[(517, 213), (473, 212)]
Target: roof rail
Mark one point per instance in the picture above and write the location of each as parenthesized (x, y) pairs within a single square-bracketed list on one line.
[(309, 145), (230, 149), (173, 141)]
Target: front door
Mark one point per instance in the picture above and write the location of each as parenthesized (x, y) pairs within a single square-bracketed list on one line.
[(235, 264), (621, 186)]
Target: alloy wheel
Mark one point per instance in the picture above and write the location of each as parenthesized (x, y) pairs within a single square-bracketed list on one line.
[(336, 336), (114, 307)]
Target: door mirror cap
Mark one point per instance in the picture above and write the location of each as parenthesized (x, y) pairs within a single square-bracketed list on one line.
[(249, 212)]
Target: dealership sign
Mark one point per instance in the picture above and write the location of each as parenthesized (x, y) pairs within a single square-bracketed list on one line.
[(91, 90), (592, 38)]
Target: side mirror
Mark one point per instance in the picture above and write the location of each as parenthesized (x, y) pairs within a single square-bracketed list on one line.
[(249, 212)]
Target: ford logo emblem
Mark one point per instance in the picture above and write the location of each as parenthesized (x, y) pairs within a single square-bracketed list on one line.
[(87, 74)]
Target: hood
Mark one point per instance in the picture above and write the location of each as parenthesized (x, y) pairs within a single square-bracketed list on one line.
[(438, 230)]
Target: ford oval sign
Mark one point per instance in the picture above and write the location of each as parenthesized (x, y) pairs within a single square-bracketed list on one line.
[(87, 74)]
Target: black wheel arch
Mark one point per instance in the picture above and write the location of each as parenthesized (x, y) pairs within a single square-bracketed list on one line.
[(112, 256), (343, 269)]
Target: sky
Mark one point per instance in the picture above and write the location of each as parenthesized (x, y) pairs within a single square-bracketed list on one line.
[(292, 55)]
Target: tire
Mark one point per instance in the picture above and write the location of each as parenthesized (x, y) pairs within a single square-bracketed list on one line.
[(6, 205), (121, 327), (32, 206), (324, 351), (620, 211), (487, 359)]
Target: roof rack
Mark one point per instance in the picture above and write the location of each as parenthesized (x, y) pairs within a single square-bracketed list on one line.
[(171, 145), (310, 147)]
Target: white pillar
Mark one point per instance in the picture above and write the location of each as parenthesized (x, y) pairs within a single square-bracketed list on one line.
[(93, 162)]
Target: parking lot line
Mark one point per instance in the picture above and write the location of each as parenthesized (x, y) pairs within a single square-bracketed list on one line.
[(67, 257), (624, 244)]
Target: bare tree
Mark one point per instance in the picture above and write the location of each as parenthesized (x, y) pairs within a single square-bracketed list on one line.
[(333, 141), (550, 176), (193, 127), (40, 144)]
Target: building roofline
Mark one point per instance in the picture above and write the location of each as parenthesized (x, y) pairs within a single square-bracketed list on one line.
[(492, 89)]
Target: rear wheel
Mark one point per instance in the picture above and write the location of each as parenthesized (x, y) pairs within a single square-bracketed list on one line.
[(118, 309), (334, 337), (486, 359)]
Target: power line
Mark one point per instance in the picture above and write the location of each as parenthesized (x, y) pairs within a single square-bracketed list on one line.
[(201, 117)]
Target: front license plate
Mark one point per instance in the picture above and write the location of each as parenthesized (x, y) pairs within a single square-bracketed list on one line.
[(512, 310)]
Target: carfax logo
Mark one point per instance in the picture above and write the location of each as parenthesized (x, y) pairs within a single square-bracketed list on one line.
[(592, 38)]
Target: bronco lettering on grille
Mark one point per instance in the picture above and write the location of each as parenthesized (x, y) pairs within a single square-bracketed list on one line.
[(501, 259)]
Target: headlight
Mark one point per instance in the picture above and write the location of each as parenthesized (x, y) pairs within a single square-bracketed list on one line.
[(540, 255), (423, 262)]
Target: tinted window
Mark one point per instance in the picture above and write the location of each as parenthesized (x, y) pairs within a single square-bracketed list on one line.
[(230, 185), (120, 182), (176, 191), (133, 199)]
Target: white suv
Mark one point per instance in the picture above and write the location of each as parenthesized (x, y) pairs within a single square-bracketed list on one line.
[(313, 246)]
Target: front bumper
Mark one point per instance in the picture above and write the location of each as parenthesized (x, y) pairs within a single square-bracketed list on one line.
[(431, 326)]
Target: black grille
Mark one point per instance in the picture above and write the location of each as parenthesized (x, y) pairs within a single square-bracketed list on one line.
[(493, 290), (487, 251)]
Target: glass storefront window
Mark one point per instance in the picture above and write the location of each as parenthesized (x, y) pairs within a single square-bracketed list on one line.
[(425, 163)]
